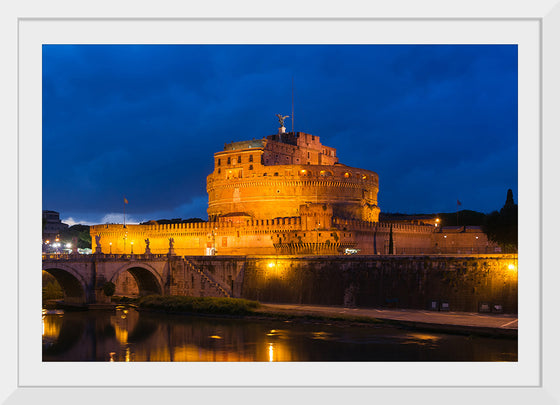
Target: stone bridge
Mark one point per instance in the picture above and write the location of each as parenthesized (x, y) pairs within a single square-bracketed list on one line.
[(82, 277), (463, 282)]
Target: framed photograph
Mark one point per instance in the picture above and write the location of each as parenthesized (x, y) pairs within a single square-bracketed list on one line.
[(328, 43)]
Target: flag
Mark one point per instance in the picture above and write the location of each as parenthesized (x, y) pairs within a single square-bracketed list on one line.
[(458, 202), (126, 201)]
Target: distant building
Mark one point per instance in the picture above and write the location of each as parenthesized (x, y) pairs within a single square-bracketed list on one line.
[(52, 225)]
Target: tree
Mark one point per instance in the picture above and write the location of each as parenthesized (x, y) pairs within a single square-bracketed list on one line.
[(109, 288), (80, 232), (501, 227)]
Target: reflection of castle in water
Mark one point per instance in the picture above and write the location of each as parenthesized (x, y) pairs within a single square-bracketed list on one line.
[(288, 194)]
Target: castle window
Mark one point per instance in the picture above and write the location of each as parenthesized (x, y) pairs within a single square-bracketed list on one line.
[(219, 162), (238, 159), (250, 158), (265, 174), (250, 167), (308, 155), (229, 160), (276, 173), (219, 171)]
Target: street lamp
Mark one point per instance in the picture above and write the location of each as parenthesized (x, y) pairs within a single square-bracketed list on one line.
[(131, 248), (317, 226), (110, 248)]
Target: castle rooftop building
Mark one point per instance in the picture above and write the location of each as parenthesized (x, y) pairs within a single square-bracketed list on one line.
[(275, 176)]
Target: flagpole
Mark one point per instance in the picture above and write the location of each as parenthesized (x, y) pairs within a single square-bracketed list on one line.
[(293, 106), (124, 212)]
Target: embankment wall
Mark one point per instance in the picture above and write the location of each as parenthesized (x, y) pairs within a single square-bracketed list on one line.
[(464, 282)]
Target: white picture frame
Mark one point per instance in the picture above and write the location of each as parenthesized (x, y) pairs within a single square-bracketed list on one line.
[(20, 384)]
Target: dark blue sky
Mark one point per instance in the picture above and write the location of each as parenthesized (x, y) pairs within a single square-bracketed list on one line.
[(438, 123)]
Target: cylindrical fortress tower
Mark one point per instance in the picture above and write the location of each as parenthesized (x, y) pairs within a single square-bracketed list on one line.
[(273, 177)]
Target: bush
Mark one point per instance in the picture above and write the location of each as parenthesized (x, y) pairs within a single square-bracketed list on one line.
[(204, 305)]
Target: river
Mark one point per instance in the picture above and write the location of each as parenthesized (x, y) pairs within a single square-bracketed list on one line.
[(128, 335)]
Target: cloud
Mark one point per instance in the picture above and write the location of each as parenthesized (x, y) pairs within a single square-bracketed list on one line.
[(145, 121)]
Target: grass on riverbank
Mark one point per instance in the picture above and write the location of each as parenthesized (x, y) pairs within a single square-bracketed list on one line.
[(202, 305)]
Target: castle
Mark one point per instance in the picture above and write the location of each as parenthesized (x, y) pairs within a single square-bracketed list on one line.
[(288, 194)]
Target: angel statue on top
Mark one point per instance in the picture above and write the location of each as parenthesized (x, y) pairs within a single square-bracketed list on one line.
[(281, 118)]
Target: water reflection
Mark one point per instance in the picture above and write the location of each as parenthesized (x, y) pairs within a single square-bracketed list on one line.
[(127, 335)]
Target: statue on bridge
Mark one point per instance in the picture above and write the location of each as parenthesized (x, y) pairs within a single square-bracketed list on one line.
[(171, 250), (98, 244), (147, 252)]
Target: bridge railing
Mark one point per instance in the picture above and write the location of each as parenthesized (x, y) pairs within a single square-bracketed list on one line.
[(102, 256)]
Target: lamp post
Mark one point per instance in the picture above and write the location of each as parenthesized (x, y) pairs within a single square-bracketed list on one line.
[(110, 248), (214, 231), (317, 225), (131, 248)]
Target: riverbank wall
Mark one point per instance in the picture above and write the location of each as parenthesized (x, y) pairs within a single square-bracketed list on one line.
[(471, 283)]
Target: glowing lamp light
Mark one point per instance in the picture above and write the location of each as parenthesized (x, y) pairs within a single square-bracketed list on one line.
[(511, 266), (68, 245), (271, 264), (271, 352)]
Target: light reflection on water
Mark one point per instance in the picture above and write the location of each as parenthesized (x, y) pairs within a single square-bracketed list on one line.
[(127, 335)]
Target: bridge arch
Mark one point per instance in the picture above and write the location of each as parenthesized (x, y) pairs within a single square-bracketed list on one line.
[(147, 278), (72, 283)]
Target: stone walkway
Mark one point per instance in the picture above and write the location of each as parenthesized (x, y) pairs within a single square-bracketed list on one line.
[(500, 324)]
